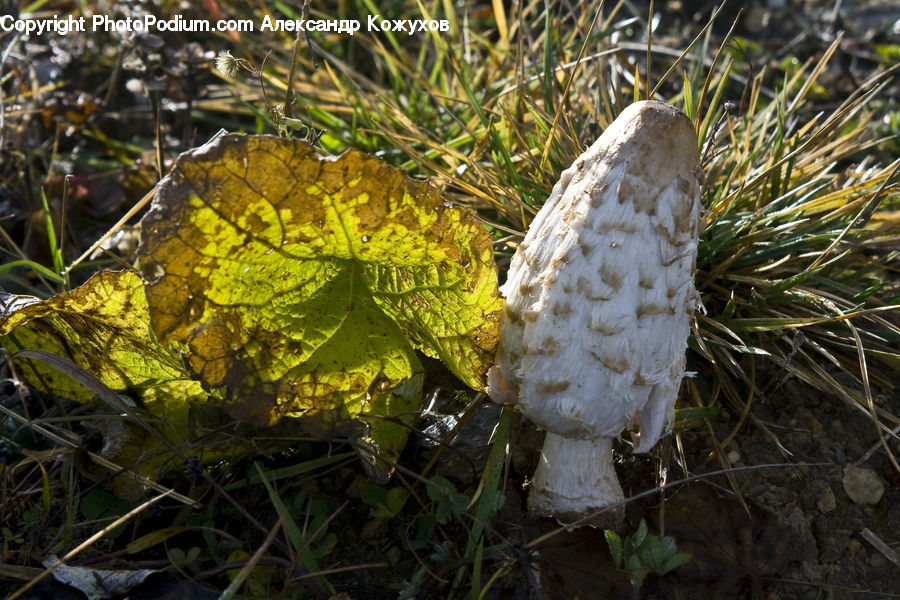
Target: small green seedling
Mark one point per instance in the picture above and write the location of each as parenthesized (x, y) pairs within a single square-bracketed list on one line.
[(448, 503), (643, 553)]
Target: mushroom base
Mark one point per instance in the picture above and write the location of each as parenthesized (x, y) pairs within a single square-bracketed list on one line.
[(575, 479)]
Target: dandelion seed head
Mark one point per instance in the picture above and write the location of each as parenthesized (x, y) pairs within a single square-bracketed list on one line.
[(226, 64), (135, 86)]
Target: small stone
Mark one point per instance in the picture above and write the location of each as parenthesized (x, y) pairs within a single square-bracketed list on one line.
[(826, 502), (877, 561), (831, 549), (853, 547), (734, 457), (815, 427), (862, 485)]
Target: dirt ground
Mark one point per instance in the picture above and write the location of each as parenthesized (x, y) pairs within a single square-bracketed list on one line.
[(821, 520), (822, 514)]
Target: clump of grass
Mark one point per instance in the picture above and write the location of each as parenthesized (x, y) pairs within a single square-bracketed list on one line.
[(795, 268)]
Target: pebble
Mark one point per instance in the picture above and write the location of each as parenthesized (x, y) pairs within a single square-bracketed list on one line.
[(734, 457), (815, 427), (854, 546), (826, 502), (877, 561), (862, 485)]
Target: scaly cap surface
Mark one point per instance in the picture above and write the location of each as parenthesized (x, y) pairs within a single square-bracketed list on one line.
[(599, 294)]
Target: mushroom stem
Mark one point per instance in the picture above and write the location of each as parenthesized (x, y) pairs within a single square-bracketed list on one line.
[(575, 478)]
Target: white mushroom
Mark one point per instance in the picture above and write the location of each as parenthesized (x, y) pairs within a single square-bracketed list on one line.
[(599, 298)]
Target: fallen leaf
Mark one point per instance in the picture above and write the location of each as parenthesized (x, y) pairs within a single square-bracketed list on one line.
[(103, 327), (277, 283), (97, 583), (302, 284)]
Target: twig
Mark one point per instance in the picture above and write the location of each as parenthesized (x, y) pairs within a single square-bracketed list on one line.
[(3, 58), (874, 447), (888, 552), (586, 519), (85, 544)]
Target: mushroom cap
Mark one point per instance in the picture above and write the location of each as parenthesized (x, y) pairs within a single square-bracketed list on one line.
[(600, 293)]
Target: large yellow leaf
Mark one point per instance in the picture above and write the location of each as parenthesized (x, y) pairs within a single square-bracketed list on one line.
[(103, 327), (278, 283), (302, 284)]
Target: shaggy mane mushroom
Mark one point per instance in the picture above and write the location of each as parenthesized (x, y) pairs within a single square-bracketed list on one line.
[(599, 298)]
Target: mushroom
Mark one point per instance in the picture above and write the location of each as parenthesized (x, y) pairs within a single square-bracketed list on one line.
[(599, 298)]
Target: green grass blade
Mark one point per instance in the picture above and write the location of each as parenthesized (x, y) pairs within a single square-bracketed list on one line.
[(39, 268)]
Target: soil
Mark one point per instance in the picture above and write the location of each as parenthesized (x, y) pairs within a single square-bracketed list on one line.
[(801, 535), (795, 532)]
